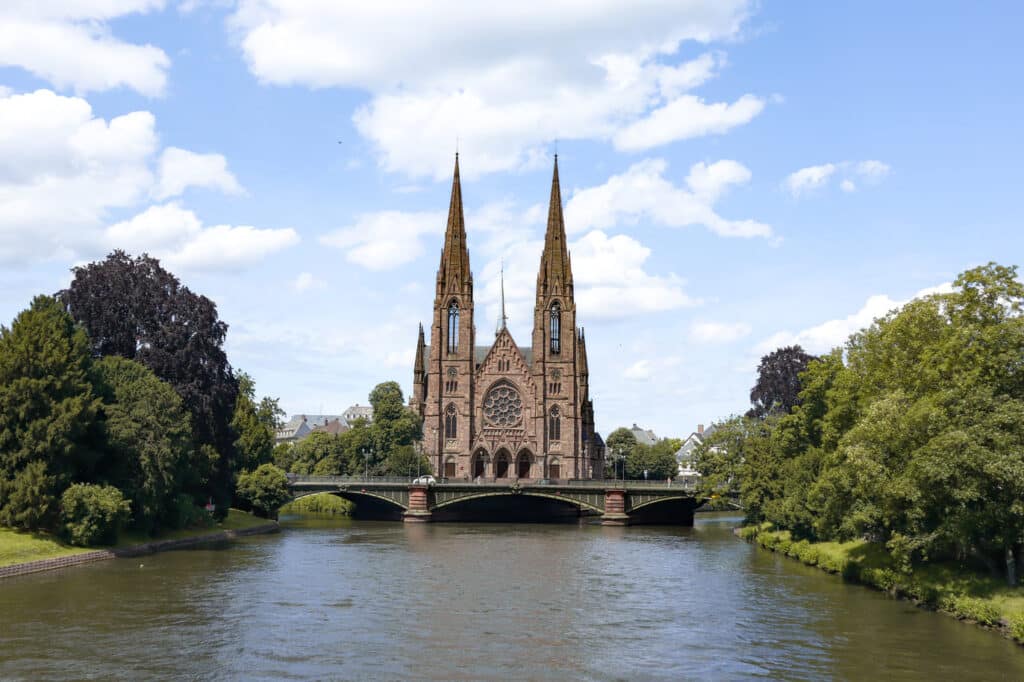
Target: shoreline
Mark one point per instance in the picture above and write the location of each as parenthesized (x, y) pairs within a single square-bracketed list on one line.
[(973, 610), (152, 547)]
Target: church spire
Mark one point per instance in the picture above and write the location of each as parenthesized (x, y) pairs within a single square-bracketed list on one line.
[(555, 269), (454, 274), (420, 364), (503, 321)]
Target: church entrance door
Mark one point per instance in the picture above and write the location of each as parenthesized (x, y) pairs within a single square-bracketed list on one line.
[(480, 464), (501, 465), (449, 469), (523, 466)]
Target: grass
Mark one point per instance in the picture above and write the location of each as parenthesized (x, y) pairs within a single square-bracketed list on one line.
[(949, 587), (321, 503), (18, 547)]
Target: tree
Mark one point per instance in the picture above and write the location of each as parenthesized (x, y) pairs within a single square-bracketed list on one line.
[(394, 424), (49, 415), (658, 461), (137, 310), (619, 444), (265, 489), (93, 514), (255, 426), (149, 440), (778, 381), (404, 461), (319, 453)]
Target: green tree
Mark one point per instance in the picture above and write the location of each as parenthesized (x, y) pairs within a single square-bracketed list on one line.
[(404, 461), (254, 424), (394, 425), (49, 414), (151, 457), (265, 490), (658, 461), (778, 381), (134, 308), (93, 514), (619, 444), (319, 453)]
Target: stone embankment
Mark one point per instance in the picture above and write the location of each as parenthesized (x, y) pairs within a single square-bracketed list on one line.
[(134, 550)]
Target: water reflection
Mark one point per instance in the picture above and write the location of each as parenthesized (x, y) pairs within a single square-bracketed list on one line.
[(342, 599)]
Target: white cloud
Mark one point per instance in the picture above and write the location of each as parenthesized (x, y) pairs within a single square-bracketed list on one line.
[(638, 371), (384, 240), (643, 193), (828, 335), (177, 237), (687, 117), (180, 168), (305, 281), (718, 332), (71, 45), (505, 78), (63, 171), (807, 179)]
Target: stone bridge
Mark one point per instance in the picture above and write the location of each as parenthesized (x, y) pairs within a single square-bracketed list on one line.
[(618, 503)]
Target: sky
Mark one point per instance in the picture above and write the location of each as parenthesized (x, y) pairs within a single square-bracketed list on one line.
[(737, 176)]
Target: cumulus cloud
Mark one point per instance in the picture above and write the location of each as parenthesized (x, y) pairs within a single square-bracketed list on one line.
[(71, 45), (638, 371), (383, 240), (718, 332), (824, 337), (644, 193), (506, 78), (810, 178), (178, 238), (180, 168), (63, 171)]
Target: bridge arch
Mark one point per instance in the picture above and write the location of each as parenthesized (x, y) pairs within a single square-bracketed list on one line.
[(509, 493)]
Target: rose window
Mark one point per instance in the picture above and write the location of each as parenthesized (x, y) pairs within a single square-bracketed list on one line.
[(503, 406)]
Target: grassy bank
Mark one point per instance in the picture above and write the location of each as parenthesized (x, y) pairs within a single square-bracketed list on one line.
[(321, 503), (949, 587), (18, 548)]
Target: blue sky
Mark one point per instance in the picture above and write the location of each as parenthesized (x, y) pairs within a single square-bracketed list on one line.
[(736, 175)]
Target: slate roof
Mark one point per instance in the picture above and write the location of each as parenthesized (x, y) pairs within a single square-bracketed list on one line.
[(644, 436), (333, 427)]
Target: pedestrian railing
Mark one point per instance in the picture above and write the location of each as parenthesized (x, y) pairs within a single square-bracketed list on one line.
[(631, 484)]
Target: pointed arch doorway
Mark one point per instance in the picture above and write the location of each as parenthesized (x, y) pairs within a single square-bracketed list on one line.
[(502, 464), (479, 464), (523, 464)]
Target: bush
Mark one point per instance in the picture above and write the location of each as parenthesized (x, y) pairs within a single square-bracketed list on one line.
[(189, 515), (748, 533), (321, 503), (93, 514), (265, 489), (1017, 627), (971, 608)]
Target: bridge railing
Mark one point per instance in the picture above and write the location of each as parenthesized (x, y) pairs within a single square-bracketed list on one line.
[(630, 484)]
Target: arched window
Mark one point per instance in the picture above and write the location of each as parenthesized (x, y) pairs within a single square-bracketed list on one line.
[(451, 423), (556, 327), (555, 424), (453, 326)]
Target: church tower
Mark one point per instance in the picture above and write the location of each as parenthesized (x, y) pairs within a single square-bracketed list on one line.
[(447, 411), (554, 345)]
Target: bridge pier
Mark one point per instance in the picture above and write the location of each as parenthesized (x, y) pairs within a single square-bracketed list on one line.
[(615, 508), (419, 505)]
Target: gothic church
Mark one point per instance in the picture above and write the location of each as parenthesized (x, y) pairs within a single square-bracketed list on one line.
[(501, 411)]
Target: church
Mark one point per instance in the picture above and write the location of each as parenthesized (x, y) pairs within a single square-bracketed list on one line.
[(504, 411)]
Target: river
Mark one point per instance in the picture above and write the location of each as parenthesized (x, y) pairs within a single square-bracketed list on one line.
[(342, 599)]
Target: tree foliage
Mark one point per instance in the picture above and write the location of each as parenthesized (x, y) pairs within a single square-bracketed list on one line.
[(135, 309), (778, 381), (93, 514), (151, 457), (49, 413), (255, 425), (265, 489), (916, 440)]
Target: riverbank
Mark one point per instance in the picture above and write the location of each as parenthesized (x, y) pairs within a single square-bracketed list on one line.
[(964, 594), (24, 553)]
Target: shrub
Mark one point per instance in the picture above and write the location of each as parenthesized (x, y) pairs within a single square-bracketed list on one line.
[(808, 554), (1017, 627), (979, 610), (265, 489), (748, 533), (93, 514), (189, 515), (321, 503)]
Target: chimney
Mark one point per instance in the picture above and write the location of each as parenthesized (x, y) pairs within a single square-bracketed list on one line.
[(700, 429)]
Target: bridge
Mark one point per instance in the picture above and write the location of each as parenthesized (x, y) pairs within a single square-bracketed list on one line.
[(618, 503)]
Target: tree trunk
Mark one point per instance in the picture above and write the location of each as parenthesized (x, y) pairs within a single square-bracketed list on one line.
[(1020, 560), (1011, 567)]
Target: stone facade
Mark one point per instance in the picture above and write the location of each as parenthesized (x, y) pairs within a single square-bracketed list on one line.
[(502, 411)]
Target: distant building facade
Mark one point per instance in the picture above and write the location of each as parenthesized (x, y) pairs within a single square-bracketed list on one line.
[(685, 455), (301, 425), (501, 410)]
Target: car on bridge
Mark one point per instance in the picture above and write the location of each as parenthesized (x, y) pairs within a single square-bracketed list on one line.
[(425, 480)]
